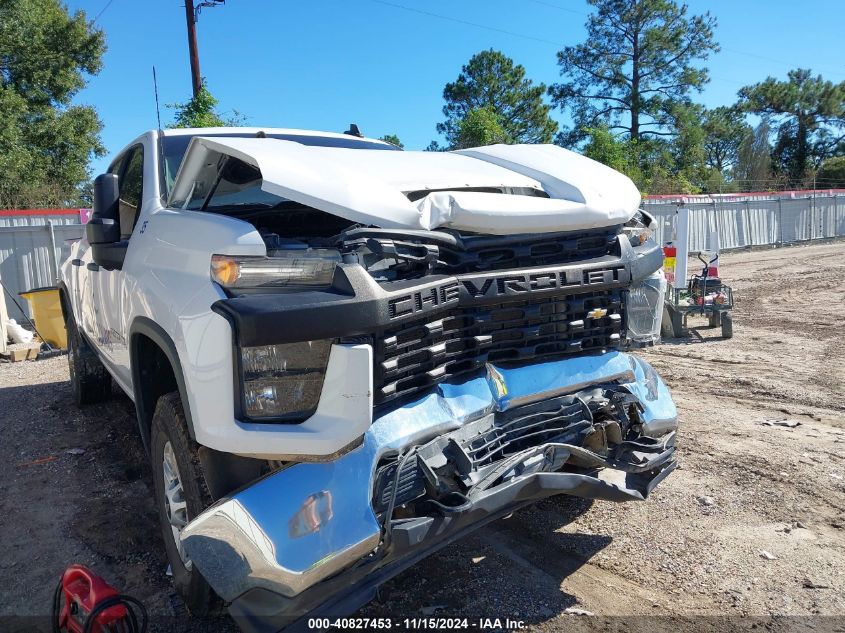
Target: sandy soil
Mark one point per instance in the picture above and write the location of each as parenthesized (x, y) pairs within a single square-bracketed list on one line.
[(752, 524)]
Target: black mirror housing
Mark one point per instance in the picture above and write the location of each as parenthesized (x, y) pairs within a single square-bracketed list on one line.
[(109, 256), (106, 197), (103, 229)]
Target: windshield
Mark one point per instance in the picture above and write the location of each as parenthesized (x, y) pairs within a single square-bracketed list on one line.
[(174, 148)]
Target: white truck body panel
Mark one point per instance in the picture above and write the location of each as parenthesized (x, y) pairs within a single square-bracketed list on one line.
[(165, 277), (370, 186)]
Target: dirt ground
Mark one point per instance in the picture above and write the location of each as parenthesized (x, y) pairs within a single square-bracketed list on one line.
[(752, 523)]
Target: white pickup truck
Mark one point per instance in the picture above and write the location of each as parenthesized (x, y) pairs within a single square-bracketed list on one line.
[(344, 356)]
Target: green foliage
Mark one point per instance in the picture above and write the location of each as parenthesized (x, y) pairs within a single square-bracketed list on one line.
[(639, 59), (831, 174), (809, 115), (651, 163), (393, 140), (717, 182), (687, 155), (480, 126), (200, 111), (492, 83), (620, 154), (724, 129), (45, 140), (753, 170), (605, 148)]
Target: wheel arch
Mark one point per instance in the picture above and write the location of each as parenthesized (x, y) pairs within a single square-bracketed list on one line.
[(156, 370), (64, 301)]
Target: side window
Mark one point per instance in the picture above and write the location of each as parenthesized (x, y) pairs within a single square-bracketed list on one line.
[(131, 191)]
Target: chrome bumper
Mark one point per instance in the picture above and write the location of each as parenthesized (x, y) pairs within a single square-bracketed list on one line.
[(296, 527)]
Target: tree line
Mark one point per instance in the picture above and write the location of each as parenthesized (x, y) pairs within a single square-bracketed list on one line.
[(627, 91)]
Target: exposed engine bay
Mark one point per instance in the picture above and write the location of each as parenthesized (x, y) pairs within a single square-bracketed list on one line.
[(395, 254)]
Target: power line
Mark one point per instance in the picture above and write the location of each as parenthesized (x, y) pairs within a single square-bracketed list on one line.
[(779, 61), (494, 29), (465, 22), (102, 11), (558, 7)]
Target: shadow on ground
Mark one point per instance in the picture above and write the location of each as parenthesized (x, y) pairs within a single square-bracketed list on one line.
[(80, 480), (512, 568)]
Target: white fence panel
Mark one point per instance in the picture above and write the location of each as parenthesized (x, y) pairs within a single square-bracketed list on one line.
[(26, 261), (754, 221)]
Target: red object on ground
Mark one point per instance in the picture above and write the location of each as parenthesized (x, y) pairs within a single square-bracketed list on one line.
[(670, 251), (82, 591)]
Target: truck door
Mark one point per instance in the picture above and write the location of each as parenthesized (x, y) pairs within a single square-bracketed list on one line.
[(106, 285)]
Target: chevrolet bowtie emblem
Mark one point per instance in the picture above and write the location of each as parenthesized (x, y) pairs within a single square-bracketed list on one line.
[(596, 313)]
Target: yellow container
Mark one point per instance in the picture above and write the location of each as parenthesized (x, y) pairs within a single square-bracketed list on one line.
[(47, 314)]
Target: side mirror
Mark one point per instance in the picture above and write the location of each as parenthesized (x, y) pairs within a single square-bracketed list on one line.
[(103, 229), (106, 197)]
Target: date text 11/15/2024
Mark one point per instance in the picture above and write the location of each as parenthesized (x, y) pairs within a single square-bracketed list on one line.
[(416, 624)]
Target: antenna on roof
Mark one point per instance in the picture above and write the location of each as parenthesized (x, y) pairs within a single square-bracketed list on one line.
[(354, 131), (155, 89), (161, 165)]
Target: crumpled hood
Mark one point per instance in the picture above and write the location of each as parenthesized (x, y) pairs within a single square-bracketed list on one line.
[(371, 186)]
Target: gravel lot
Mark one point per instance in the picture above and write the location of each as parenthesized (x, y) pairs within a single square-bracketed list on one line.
[(752, 524)]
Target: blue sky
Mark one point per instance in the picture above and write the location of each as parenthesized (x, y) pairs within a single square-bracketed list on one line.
[(326, 63)]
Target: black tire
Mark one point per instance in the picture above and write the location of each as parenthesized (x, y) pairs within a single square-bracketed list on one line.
[(713, 319), (89, 379), (169, 426), (727, 325)]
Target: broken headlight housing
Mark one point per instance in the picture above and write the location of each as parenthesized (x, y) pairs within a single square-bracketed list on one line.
[(296, 268), (644, 309), (283, 382), (640, 229)]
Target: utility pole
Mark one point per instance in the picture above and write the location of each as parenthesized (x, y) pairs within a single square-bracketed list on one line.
[(191, 16)]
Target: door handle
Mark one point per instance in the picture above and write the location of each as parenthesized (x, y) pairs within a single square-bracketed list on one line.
[(93, 267), (76, 262)]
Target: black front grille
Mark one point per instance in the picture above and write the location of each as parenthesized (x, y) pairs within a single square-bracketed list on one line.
[(392, 255), (423, 352), (483, 253)]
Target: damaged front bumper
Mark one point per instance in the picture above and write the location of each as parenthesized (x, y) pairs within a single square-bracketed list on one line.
[(600, 427)]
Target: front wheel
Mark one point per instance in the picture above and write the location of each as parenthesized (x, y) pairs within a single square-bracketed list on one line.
[(89, 379), (181, 494)]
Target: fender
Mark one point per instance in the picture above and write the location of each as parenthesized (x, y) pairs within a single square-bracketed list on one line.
[(64, 299), (153, 331)]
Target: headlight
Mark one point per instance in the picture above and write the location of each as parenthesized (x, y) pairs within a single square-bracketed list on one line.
[(307, 268), (283, 381), (644, 309), (640, 228)]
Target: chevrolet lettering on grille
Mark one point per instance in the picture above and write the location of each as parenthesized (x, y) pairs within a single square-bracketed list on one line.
[(463, 290)]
